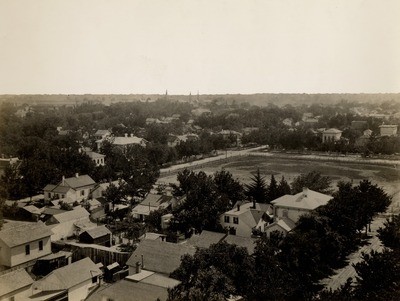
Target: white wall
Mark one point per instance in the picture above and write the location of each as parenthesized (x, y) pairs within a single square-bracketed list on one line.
[(81, 291), (293, 214), (5, 254), (19, 256)]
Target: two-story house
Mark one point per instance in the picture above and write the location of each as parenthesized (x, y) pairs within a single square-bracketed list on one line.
[(24, 243), (331, 135), (288, 208), (75, 188), (243, 218), (388, 130)]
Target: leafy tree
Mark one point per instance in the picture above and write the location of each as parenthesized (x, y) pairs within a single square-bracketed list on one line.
[(227, 187), (65, 206), (257, 189), (283, 187), (115, 194), (229, 262), (314, 181), (390, 234), (378, 276)]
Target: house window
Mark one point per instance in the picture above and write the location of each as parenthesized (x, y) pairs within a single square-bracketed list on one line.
[(40, 245), (285, 213), (236, 220), (27, 250), (94, 279), (49, 195), (83, 192), (57, 196), (63, 196), (226, 219)]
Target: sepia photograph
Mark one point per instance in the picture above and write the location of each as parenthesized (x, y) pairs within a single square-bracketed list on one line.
[(199, 150)]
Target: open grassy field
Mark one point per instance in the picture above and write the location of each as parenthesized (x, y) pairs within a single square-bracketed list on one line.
[(242, 168)]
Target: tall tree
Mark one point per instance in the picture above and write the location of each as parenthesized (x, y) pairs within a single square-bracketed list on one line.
[(257, 189), (314, 181), (283, 187), (273, 191)]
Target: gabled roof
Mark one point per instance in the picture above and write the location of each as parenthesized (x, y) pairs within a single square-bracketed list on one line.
[(125, 290), (128, 140), (94, 155), (160, 257), (102, 132), (79, 181), (24, 233), (332, 131), (285, 223), (155, 200), (246, 207), (245, 242), (32, 209), (14, 281), (307, 199), (388, 126), (52, 211), (68, 276), (206, 239), (75, 214), (98, 232), (56, 188)]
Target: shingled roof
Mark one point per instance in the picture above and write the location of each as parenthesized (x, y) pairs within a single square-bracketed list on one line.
[(24, 233), (160, 257), (68, 276), (307, 199), (98, 232), (14, 281)]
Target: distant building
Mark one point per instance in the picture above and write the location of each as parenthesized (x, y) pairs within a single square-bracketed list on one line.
[(97, 158), (331, 135), (125, 141), (359, 125), (388, 130), (24, 243)]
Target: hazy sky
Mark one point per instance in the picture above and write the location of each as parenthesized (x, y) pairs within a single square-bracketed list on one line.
[(132, 46)]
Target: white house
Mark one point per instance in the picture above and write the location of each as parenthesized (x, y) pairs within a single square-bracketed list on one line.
[(153, 202), (124, 142), (97, 158), (69, 223), (388, 129), (24, 243), (75, 188), (71, 282), (288, 208), (331, 135), (15, 285), (243, 218)]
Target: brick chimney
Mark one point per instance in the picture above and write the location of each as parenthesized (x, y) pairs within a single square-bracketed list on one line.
[(126, 134), (305, 192), (63, 181), (77, 175), (238, 207), (138, 267)]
